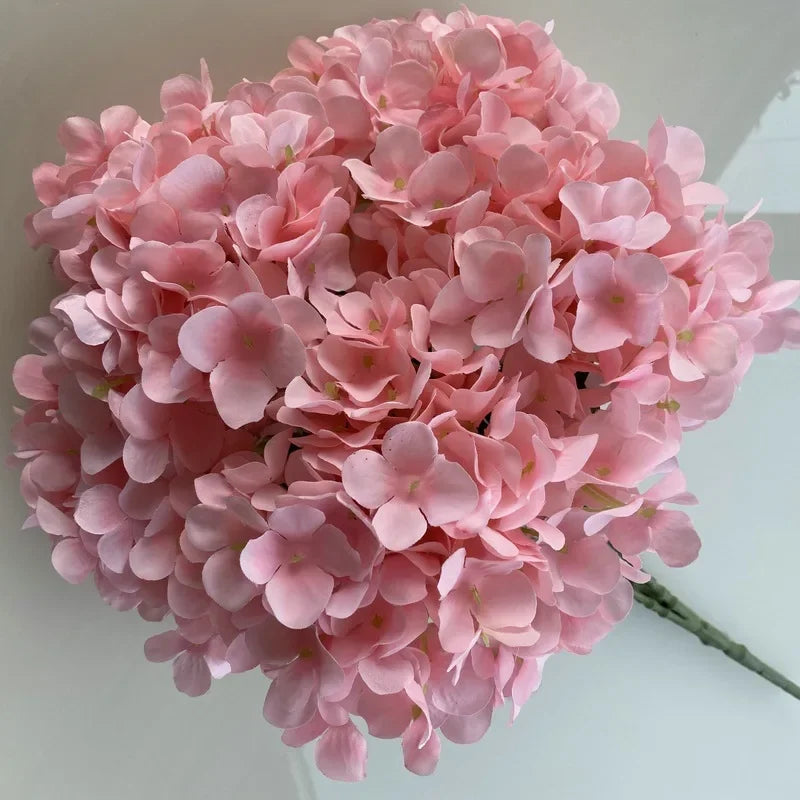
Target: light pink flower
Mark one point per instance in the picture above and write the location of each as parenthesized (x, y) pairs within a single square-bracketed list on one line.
[(248, 352), (297, 561), (503, 276), (488, 597), (618, 300), (615, 213), (410, 485)]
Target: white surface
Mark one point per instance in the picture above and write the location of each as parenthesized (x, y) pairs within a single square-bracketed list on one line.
[(651, 713)]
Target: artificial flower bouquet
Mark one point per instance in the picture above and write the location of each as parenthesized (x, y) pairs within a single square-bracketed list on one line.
[(373, 376)]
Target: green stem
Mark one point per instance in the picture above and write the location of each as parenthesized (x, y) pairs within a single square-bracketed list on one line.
[(657, 598)]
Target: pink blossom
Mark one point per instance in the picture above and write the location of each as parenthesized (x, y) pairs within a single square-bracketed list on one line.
[(494, 598), (615, 213), (297, 560), (410, 485), (248, 352), (619, 300)]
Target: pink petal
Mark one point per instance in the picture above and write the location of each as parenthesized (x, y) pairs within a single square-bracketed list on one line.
[(596, 329), (715, 348), (386, 716), (241, 391), (29, 380), (626, 197), (113, 548), (685, 153), (399, 524), (287, 356), (71, 560), (296, 521), (456, 626), (490, 269), (477, 51), (525, 683), (574, 454), (451, 305), (191, 674), (590, 564), (441, 181), (368, 478), (224, 581), (506, 601), (54, 521), (292, 697), (141, 417), (197, 453), (209, 528), (101, 450), (447, 493), (261, 557), (332, 552), (584, 200), (674, 538), (153, 557), (341, 753), (186, 601), (401, 583), (298, 594), (208, 336), (371, 183), (195, 183), (82, 138), (467, 730), (98, 509), (642, 273), (419, 758), (410, 447), (164, 646), (145, 460), (521, 171), (498, 324), (398, 152), (386, 675), (651, 228), (451, 571)]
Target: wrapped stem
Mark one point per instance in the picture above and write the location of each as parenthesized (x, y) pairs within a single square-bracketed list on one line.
[(659, 599)]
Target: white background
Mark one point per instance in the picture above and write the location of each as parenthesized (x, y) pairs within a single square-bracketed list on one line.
[(651, 713)]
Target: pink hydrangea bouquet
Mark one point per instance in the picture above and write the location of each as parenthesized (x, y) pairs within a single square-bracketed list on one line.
[(373, 376)]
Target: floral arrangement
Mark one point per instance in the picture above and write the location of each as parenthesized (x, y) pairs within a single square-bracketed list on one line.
[(373, 376)]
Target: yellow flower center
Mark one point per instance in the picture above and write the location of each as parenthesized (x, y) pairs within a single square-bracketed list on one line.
[(670, 406), (529, 532)]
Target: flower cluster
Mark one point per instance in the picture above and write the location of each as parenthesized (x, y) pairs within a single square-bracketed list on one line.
[(362, 376)]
